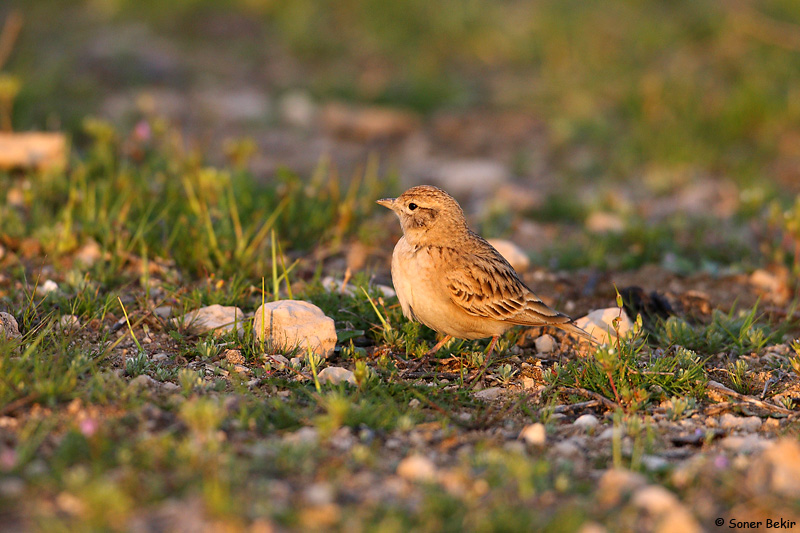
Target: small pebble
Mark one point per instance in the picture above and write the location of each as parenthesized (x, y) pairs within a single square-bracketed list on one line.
[(492, 393), (234, 357), (8, 326), (416, 468), (47, 287), (545, 344), (586, 421), (336, 375), (534, 434), (69, 322), (743, 423)]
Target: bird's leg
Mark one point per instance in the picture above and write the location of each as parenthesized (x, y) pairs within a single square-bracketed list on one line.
[(429, 353), (487, 360)]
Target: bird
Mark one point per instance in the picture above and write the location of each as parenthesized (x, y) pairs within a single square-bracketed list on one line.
[(453, 281)]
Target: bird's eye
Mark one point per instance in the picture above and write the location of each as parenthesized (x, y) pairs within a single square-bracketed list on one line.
[(412, 206)]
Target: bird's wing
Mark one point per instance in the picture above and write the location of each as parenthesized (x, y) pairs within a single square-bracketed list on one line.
[(483, 284)]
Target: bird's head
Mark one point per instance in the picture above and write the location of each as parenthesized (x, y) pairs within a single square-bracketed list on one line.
[(427, 213)]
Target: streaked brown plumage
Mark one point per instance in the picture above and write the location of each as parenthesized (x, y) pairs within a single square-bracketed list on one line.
[(453, 281)]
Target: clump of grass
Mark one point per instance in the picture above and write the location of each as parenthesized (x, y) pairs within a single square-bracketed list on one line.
[(739, 376), (735, 332), (50, 367), (170, 205), (680, 407), (631, 375)]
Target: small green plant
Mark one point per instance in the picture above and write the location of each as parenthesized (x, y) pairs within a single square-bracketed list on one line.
[(795, 359), (740, 377), (475, 359), (207, 350), (163, 373), (189, 380), (363, 374), (505, 373), (137, 364), (352, 352), (679, 408), (737, 332), (314, 361), (633, 376)]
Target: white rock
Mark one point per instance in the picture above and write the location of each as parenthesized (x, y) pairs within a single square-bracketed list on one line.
[(335, 375), (655, 499), (386, 291), (545, 343), (289, 324), (69, 322), (743, 423), (568, 449), (534, 434), (746, 444), (607, 434), (169, 386), (586, 421), (296, 362), (164, 311), (8, 326), (465, 177), (161, 356), (47, 287), (492, 393), (599, 323), (513, 254), (143, 380), (777, 470), (213, 318), (416, 468), (679, 519), (616, 483)]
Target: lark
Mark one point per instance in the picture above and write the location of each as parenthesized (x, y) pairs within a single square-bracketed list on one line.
[(450, 279)]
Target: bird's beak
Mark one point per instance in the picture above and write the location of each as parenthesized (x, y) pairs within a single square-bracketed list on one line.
[(387, 202)]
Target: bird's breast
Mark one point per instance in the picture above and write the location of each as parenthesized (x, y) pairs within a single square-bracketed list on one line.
[(418, 274)]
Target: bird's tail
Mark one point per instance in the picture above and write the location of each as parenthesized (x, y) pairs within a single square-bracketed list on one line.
[(571, 328)]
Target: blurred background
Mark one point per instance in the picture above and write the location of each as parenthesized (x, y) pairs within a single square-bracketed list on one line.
[(544, 117)]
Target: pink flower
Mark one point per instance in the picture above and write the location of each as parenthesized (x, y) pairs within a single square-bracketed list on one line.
[(88, 427), (142, 131)]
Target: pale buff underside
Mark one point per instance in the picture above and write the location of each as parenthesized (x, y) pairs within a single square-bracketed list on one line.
[(419, 279)]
